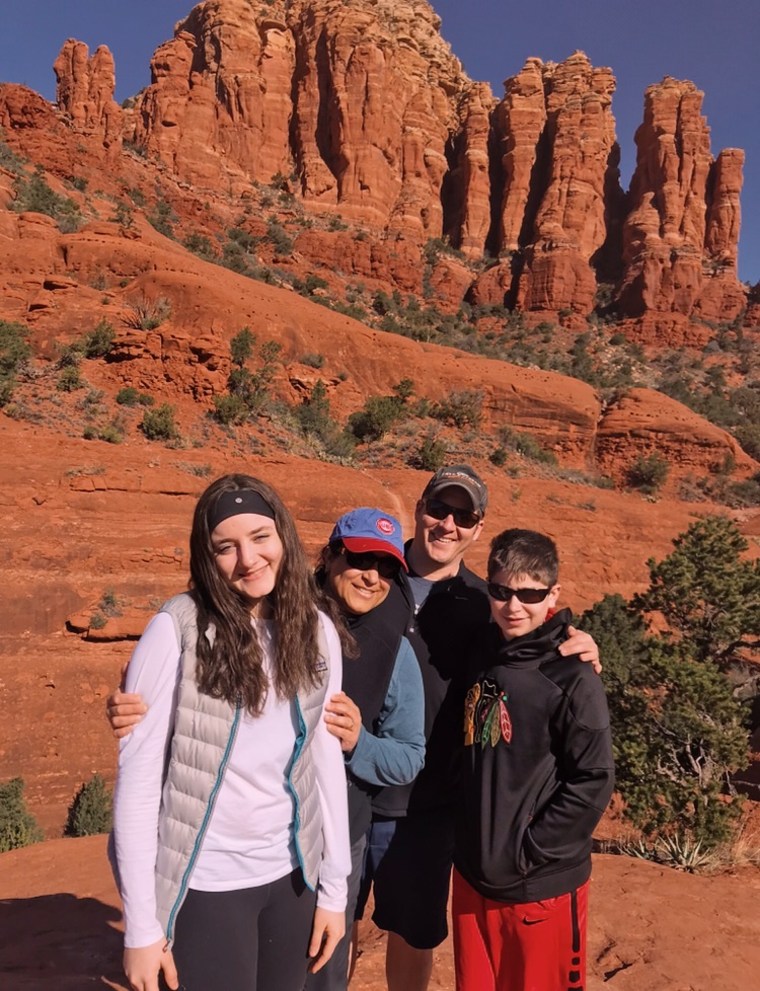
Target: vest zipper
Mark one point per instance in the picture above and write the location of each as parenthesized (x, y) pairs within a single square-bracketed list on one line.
[(202, 830), (297, 817)]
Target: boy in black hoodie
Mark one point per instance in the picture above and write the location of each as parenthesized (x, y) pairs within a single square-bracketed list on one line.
[(538, 773)]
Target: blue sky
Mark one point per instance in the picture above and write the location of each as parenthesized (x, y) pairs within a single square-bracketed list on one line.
[(716, 45)]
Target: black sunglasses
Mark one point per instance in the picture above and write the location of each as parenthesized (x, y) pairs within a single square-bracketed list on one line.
[(385, 565), (439, 510), (530, 596)]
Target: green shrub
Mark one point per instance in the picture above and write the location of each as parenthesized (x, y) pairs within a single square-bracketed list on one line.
[(526, 445), (158, 423), (309, 285), (279, 238), (99, 341), (200, 245), (313, 360), (148, 314), (14, 352), (376, 418), (314, 420), (648, 473), (112, 433), (313, 415), (498, 457), (34, 194), (18, 826), (461, 409), (241, 346), (70, 379), (163, 217), (129, 396), (230, 409), (123, 215), (69, 355), (9, 160), (677, 732), (90, 813), (431, 455)]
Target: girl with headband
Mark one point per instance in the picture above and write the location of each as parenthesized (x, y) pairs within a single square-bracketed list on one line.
[(230, 817)]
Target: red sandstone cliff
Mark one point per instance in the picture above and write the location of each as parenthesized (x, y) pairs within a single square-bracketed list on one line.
[(364, 111), (366, 107), (681, 232), (85, 93)]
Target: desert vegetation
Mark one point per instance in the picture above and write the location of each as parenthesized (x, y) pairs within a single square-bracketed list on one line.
[(679, 732)]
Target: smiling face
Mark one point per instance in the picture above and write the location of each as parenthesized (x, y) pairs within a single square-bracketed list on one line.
[(356, 590), (440, 544), (516, 618), (248, 553)]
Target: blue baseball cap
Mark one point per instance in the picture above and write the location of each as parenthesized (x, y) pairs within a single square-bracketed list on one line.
[(367, 529)]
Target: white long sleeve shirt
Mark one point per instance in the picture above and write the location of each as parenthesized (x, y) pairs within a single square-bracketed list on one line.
[(249, 841)]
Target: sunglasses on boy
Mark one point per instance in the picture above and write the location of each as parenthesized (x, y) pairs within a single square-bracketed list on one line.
[(385, 565), (439, 510), (528, 596)]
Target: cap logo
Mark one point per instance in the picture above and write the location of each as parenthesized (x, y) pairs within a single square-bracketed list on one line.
[(385, 526)]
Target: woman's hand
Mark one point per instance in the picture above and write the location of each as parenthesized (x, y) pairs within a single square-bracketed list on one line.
[(344, 720), (327, 931), (582, 644), (124, 711), (142, 965)]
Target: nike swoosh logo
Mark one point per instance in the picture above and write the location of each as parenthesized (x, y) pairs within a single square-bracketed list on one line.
[(532, 922)]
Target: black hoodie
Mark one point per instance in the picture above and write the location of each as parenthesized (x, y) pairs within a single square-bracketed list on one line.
[(537, 770)]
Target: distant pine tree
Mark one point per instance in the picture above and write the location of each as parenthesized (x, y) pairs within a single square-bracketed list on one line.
[(91, 811), (18, 827)]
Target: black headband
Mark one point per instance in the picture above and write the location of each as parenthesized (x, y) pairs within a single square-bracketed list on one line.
[(235, 503)]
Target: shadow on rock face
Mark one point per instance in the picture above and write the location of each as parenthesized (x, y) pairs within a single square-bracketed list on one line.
[(59, 943)]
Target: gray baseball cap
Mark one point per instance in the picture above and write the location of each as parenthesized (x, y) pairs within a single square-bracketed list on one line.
[(459, 477)]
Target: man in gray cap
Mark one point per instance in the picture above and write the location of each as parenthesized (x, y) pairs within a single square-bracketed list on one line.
[(411, 841)]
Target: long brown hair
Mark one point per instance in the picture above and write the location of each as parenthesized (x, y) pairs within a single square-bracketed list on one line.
[(330, 605), (231, 667)]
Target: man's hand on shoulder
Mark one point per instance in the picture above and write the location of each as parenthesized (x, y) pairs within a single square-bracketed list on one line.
[(123, 711), (583, 645)]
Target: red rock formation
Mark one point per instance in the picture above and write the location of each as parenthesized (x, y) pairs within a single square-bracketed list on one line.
[(520, 121), (558, 140), (220, 100), (558, 162), (85, 88), (363, 110), (471, 177), (358, 99), (644, 422), (680, 236)]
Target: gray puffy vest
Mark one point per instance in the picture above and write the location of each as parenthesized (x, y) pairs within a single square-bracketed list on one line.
[(204, 733)]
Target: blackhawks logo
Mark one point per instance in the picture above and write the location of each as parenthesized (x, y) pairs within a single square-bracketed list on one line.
[(486, 719)]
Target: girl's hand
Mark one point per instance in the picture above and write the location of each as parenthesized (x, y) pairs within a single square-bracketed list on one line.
[(327, 931), (582, 644), (344, 720), (142, 965)]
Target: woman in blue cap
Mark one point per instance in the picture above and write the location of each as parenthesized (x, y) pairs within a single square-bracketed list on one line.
[(379, 715)]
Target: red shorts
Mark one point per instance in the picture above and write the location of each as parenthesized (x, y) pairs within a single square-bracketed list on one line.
[(536, 946)]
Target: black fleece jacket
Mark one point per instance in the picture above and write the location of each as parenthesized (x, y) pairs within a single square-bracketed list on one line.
[(538, 769), (440, 634)]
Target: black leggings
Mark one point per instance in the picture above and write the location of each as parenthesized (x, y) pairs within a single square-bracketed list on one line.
[(255, 939)]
